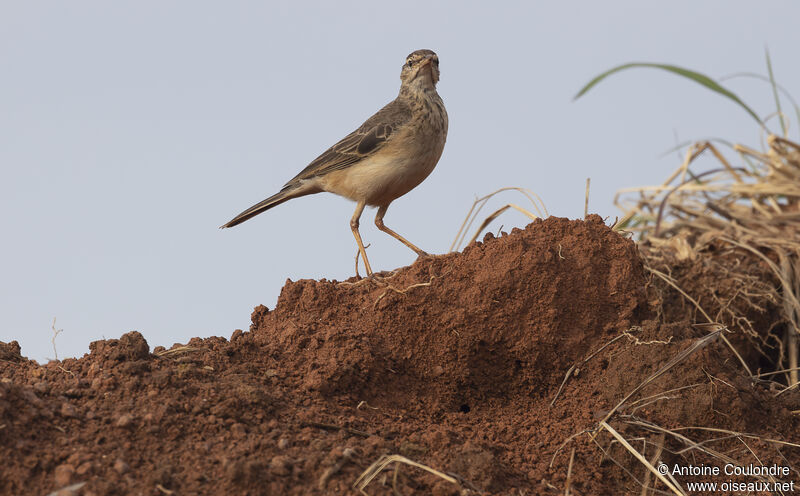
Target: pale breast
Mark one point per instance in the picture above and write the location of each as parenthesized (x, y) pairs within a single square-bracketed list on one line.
[(401, 165)]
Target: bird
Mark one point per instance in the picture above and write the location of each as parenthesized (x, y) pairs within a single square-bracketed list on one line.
[(390, 154)]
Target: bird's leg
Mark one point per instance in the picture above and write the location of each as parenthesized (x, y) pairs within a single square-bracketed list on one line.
[(382, 227), (354, 228)]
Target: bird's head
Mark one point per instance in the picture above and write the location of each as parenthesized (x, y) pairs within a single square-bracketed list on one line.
[(421, 69)]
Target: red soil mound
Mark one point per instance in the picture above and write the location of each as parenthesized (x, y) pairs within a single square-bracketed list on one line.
[(453, 363)]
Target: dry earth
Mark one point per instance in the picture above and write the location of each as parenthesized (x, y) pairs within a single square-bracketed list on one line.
[(457, 362)]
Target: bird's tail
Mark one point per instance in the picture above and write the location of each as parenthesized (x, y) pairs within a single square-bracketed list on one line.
[(272, 201)]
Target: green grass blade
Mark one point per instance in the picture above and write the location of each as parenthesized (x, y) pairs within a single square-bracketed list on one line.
[(694, 76), (783, 90), (775, 92)]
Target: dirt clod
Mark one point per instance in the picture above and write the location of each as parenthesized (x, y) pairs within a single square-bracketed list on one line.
[(11, 352), (67, 410), (121, 467), (63, 474), (280, 465), (125, 420)]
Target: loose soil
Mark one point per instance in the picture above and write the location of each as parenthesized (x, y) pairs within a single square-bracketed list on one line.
[(494, 366)]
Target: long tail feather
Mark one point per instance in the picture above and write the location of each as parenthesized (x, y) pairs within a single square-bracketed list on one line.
[(262, 206)]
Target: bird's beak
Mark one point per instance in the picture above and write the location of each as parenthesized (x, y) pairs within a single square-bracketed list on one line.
[(427, 60)]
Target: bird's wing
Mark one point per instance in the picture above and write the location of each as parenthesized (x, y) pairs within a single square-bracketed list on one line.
[(360, 144)]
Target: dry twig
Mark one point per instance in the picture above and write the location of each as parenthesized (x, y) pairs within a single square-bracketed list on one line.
[(376, 468)]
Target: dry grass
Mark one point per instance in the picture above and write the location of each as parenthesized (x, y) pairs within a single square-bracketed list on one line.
[(383, 462), (738, 224), (479, 203), (625, 412), (697, 345), (403, 291), (575, 368), (178, 350), (690, 448), (673, 487), (56, 332), (753, 208)]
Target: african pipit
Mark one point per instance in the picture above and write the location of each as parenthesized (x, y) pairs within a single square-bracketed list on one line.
[(385, 158)]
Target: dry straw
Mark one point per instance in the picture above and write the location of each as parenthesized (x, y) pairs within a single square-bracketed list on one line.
[(477, 206), (383, 462), (754, 209), (751, 209)]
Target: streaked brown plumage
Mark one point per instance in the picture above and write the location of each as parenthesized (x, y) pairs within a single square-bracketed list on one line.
[(385, 158)]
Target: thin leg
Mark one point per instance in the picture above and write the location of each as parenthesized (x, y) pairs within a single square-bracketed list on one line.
[(382, 227), (354, 228)]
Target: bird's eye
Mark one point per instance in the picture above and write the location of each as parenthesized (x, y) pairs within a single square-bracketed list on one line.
[(410, 62)]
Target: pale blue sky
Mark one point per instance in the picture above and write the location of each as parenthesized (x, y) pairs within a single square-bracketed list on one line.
[(129, 131)]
